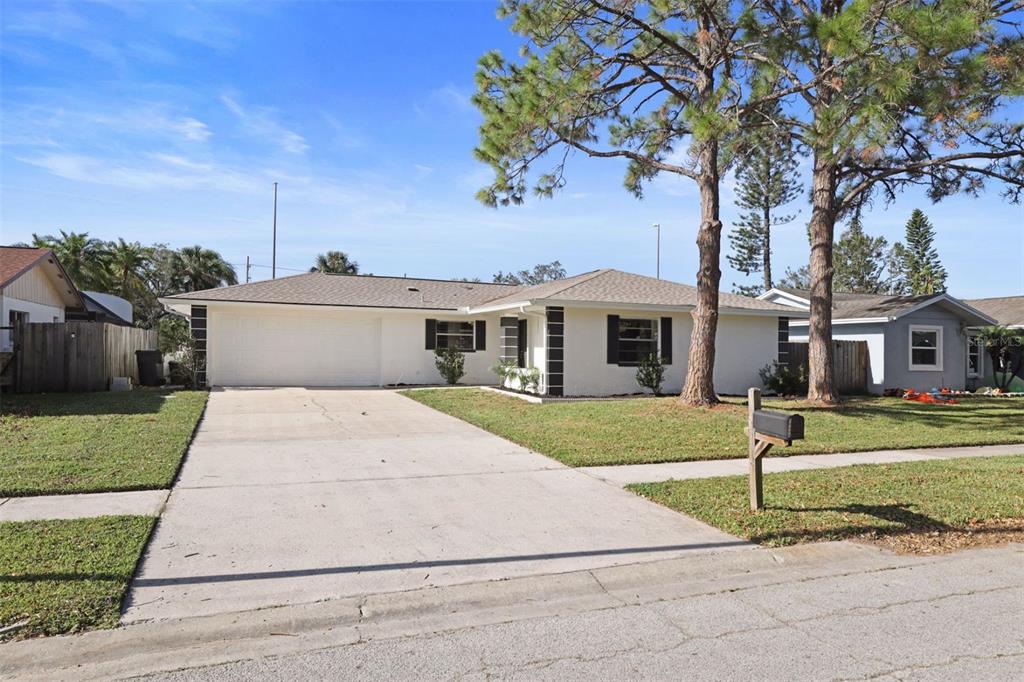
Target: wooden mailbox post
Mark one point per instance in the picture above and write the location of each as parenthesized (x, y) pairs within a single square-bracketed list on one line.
[(765, 429)]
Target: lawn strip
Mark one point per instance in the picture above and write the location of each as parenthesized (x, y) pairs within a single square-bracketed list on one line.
[(651, 430), (63, 443), (68, 575), (878, 502)]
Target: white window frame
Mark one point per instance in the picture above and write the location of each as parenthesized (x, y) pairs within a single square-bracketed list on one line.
[(937, 367), (974, 346), (472, 334)]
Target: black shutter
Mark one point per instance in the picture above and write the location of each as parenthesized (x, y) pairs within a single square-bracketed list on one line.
[(613, 339), (431, 334), (481, 335), (521, 343), (666, 340)]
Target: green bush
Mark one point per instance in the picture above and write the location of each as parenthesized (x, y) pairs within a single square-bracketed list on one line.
[(783, 379), (451, 363), (651, 373), (505, 369), (529, 379)]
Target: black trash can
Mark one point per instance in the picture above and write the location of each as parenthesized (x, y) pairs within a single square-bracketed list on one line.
[(151, 367)]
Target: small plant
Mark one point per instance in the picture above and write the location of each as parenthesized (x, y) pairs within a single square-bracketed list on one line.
[(505, 369), (451, 363), (175, 339), (783, 379), (651, 373), (529, 379)]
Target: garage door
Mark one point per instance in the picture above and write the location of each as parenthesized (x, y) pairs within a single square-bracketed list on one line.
[(293, 350)]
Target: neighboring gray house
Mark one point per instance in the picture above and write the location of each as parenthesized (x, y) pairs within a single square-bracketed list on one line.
[(919, 342)]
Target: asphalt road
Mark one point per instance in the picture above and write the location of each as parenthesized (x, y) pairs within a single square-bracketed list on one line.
[(955, 617)]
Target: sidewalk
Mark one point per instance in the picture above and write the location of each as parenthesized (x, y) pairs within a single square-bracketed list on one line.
[(132, 503), (652, 473)]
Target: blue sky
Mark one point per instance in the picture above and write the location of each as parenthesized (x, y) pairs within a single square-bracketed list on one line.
[(169, 122)]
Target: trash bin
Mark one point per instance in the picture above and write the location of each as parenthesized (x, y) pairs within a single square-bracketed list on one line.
[(151, 367)]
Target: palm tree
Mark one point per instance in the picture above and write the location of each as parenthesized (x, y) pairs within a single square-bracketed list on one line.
[(83, 257), (1005, 348), (335, 263), (194, 268), (129, 264)]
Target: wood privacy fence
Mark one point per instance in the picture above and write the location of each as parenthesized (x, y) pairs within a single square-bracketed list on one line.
[(76, 356), (849, 362)]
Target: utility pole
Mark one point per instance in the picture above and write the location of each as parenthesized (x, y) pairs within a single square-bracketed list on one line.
[(273, 257), (657, 226), (248, 267)]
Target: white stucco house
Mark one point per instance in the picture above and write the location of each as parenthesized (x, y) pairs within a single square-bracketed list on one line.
[(918, 342), (585, 334), (33, 288)]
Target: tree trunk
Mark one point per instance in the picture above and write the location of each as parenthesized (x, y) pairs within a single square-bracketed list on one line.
[(699, 389), (821, 380), (766, 256)]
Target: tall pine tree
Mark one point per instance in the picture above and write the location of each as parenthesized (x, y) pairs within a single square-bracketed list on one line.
[(922, 267), (859, 261), (767, 180)]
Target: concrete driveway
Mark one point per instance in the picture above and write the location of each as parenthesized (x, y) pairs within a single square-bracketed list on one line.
[(297, 495)]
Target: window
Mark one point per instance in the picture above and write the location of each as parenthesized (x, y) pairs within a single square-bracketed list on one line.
[(455, 335), (925, 348), (637, 339), (975, 356)]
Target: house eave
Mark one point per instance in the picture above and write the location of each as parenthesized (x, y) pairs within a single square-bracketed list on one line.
[(181, 305)]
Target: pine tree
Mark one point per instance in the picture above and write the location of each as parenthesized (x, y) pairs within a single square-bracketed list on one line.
[(797, 279), (859, 261), (924, 271), (767, 179)]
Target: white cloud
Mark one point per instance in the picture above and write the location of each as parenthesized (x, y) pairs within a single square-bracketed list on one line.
[(261, 122)]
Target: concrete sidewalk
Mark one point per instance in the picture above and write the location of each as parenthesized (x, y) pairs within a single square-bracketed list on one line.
[(652, 473), (43, 507)]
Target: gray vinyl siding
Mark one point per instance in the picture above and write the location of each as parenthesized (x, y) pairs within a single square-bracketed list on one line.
[(954, 352)]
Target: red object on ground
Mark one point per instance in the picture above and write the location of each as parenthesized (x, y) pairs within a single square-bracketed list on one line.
[(927, 398)]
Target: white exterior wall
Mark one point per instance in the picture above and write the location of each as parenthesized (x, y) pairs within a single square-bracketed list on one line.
[(744, 344), (37, 312), (399, 357)]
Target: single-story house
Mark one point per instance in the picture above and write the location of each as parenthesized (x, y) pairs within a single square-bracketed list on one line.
[(585, 334), (1008, 311), (33, 288), (919, 342)]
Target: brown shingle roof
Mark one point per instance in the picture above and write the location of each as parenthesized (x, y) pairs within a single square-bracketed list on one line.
[(1007, 310), (16, 260), (624, 288), (599, 286), (315, 288)]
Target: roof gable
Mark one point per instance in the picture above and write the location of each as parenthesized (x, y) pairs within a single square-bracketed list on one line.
[(16, 261)]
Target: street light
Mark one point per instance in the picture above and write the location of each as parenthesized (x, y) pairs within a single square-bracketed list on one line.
[(657, 226)]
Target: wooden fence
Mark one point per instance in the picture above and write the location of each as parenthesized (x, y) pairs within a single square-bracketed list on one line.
[(76, 356), (849, 362)]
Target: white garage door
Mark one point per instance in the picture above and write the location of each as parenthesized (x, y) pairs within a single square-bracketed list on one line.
[(293, 350)]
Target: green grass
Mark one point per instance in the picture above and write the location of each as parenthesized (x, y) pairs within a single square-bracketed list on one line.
[(833, 504), (94, 442), (645, 430), (67, 576)]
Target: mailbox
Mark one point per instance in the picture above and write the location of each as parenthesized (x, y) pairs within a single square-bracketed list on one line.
[(779, 424)]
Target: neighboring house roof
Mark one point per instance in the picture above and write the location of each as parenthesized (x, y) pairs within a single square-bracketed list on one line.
[(853, 307), (598, 287), (623, 288), (15, 261), (94, 303), (1006, 310), (368, 291)]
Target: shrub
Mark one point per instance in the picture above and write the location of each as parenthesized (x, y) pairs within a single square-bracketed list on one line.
[(451, 363), (529, 379), (651, 373), (783, 379), (505, 369)]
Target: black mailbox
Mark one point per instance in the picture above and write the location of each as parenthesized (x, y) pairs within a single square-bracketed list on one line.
[(779, 424)]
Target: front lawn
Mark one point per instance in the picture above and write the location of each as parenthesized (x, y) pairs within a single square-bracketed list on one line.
[(937, 504), (67, 576), (645, 430), (94, 442)]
